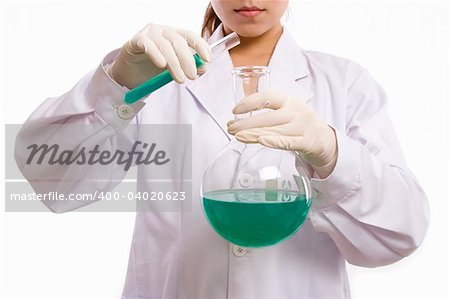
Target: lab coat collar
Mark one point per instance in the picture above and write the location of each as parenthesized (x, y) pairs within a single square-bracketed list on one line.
[(288, 65)]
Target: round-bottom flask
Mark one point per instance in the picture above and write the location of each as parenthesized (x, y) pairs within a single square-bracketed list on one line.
[(252, 195)]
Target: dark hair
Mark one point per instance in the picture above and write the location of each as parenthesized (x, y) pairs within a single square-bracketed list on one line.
[(210, 22)]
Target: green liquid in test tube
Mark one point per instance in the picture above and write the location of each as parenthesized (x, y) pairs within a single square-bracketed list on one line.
[(155, 83)]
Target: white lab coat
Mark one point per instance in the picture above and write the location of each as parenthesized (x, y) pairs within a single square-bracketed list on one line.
[(369, 212)]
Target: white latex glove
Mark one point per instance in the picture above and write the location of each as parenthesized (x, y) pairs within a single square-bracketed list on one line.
[(291, 125), (156, 48)]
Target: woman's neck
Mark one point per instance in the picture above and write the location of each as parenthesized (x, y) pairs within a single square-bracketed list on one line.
[(256, 50)]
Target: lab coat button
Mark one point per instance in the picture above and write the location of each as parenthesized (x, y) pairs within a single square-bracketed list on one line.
[(245, 180), (125, 112), (239, 251)]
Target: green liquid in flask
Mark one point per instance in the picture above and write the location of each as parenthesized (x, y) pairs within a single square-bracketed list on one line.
[(255, 217)]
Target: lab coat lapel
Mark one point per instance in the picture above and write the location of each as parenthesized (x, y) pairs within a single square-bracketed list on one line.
[(214, 89), (289, 68)]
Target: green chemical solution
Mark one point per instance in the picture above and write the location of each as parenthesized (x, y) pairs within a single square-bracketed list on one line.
[(255, 217)]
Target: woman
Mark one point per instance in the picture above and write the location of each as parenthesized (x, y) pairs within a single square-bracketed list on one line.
[(370, 210)]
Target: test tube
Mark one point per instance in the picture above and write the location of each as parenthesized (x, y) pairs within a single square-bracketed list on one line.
[(226, 43), (158, 81)]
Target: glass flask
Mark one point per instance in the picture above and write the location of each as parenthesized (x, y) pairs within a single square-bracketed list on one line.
[(253, 195)]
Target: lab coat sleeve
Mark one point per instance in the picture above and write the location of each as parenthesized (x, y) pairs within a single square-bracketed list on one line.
[(85, 115), (371, 205)]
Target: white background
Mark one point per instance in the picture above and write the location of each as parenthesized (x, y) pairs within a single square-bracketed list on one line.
[(47, 46)]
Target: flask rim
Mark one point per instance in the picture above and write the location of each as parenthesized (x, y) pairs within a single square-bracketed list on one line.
[(251, 70)]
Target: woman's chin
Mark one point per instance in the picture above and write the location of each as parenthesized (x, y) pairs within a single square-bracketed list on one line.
[(249, 31)]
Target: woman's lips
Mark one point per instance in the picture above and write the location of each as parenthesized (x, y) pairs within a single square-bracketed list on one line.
[(249, 11)]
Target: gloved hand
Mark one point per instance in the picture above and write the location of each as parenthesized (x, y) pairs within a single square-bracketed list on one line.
[(291, 125), (154, 49)]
